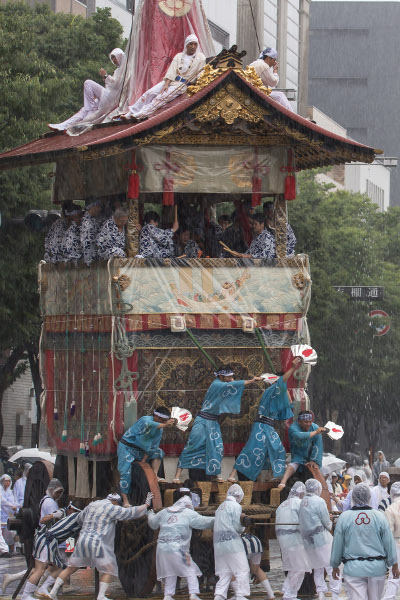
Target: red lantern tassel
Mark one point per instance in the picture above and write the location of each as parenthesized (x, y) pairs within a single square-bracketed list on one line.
[(290, 187), (256, 197), (133, 186), (168, 188)]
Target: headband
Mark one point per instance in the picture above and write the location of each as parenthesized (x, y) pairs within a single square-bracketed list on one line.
[(93, 203), (157, 414), (184, 490), (114, 497), (269, 52), (305, 417), (74, 211), (223, 372), (70, 505)]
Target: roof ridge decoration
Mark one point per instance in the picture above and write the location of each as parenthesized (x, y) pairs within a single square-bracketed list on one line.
[(209, 74)]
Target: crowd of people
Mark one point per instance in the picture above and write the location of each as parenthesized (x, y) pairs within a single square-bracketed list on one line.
[(12, 498), (91, 233)]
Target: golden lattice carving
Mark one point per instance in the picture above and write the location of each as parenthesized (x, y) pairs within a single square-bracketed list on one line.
[(229, 104), (251, 76), (101, 152), (132, 230)]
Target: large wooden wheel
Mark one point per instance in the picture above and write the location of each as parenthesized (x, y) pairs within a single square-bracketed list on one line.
[(135, 542)]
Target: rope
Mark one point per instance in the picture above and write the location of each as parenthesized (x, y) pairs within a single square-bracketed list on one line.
[(255, 26), (64, 433), (98, 439), (82, 444), (136, 556)]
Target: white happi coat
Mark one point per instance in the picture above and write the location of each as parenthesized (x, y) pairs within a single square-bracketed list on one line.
[(229, 552), (270, 80), (315, 526), (173, 544), (95, 546), (294, 557)]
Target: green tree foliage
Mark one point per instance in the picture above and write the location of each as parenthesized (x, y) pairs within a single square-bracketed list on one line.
[(350, 243), (44, 60)]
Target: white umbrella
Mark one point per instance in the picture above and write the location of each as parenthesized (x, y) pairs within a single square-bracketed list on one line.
[(32, 454), (331, 464)]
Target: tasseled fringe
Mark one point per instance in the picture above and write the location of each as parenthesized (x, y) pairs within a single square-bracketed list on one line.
[(86, 448), (81, 448), (168, 191), (55, 416), (98, 439), (72, 408), (256, 196), (64, 435)]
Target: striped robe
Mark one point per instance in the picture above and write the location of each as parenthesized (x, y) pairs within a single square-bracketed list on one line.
[(95, 546), (48, 539)]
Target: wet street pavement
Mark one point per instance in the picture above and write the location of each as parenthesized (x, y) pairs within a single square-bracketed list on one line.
[(82, 582)]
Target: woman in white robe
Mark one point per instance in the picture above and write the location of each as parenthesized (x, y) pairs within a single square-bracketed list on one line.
[(95, 96), (294, 557), (266, 68), (229, 553), (184, 68), (381, 490), (315, 528), (8, 509), (173, 558), (95, 545)]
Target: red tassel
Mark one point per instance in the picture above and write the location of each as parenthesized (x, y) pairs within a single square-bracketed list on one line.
[(133, 187), (290, 187), (256, 197), (168, 195)]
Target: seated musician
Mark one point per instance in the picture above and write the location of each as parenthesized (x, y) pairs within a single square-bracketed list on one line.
[(184, 245), (233, 236), (263, 244), (266, 67), (269, 223), (156, 242), (111, 237), (305, 446)]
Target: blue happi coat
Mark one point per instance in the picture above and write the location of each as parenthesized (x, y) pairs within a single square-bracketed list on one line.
[(204, 448), (302, 447), (264, 449), (144, 437)]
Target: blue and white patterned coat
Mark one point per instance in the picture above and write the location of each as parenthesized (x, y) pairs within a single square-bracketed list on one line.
[(110, 241), (264, 245), (71, 248), (156, 242), (89, 231), (191, 249), (95, 546), (47, 540), (53, 241)]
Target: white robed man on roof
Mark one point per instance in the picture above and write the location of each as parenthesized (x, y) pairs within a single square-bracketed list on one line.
[(184, 69), (266, 67)]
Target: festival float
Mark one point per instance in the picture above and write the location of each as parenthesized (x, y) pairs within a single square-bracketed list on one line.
[(123, 336)]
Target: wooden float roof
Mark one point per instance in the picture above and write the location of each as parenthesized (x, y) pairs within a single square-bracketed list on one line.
[(225, 107)]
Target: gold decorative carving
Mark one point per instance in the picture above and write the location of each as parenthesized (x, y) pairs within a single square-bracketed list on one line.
[(101, 152), (251, 76), (132, 230), (229, 104), (280, 227), (207, 75)]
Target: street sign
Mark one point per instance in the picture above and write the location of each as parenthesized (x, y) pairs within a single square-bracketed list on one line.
[(361, 292), (380, 322)]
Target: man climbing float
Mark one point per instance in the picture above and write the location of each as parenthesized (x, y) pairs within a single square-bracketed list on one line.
[(204, 448)]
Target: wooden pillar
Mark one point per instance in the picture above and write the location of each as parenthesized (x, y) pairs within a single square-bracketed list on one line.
[(280, 207), (132, 231)]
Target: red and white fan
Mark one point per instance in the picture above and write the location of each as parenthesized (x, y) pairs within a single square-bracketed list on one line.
[(183, 417), (270, 378), (335, 432), (305, 352)]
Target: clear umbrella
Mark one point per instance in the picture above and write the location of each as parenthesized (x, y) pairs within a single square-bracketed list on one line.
[(32, 455), (331, 464)]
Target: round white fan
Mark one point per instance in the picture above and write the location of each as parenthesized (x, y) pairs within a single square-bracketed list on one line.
[(183, 417), (269, 378)]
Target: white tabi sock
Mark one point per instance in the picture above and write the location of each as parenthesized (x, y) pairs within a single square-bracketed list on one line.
[(44, 588), (267, 586), (59, 582), (102, 590), (29, 589)]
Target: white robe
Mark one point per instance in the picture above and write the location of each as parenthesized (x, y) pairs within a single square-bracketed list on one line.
[(270, 80), (19, 490), (229, 552), (294, 557), (95, 546), (315, 526), (182, 65), (173, 544)]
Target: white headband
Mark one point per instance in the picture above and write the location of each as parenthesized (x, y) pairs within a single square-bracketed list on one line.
[(157, 414)]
